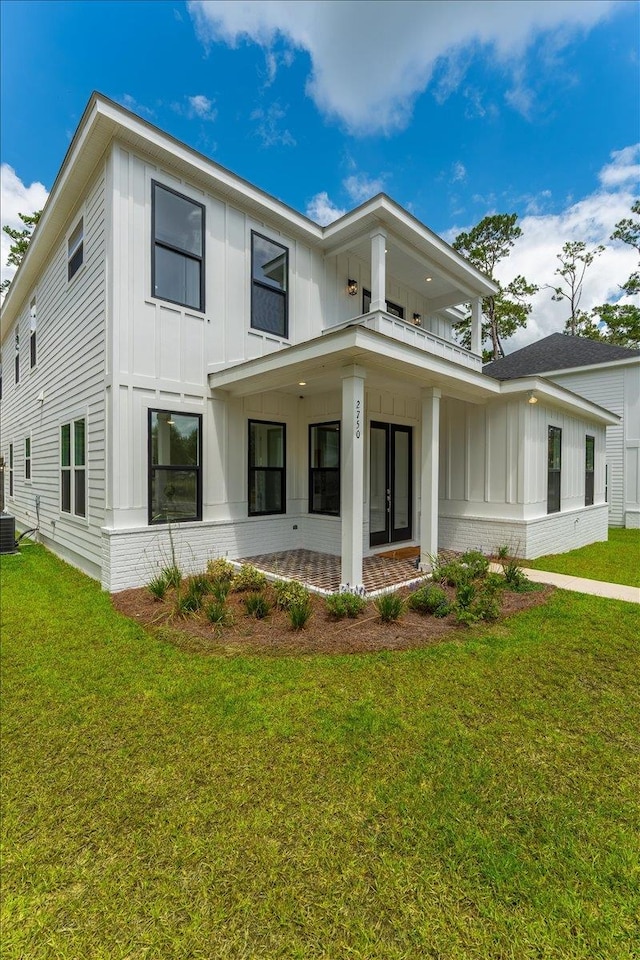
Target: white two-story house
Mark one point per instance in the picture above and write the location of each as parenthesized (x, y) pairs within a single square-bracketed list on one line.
[(189, 365)]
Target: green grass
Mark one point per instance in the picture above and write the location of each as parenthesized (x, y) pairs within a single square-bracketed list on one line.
[(476, 799), (614, 561)]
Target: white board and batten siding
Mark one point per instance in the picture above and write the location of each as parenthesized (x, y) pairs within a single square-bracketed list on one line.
[(617, 387), (69, 376)]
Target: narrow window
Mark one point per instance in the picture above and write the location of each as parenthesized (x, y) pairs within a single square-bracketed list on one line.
[(554, 469), (73, 468), (27, 458), (10, 469), (393, 308), (17, 359), (178, 248), (270, 282), (32, 336), (324, 468), (75, 250), (266, 468), (175, 456), (589, 469)]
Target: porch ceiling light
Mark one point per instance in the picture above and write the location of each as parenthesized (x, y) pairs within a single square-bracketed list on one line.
[(428, 279), (302, 383), (532, 397), (417, 320), (352, 287)]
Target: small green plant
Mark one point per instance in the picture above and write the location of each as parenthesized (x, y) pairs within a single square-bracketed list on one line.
[(173, 575), (430, 599), (300, 611), (186, 603), (390, 607), (288, 592), (465, 595), (514, 576), (218, 613), (200, 584), (476, 563), (341, 605), (158, 587), (220, 571), (452, 572), (257, 605), (220, 589), (249, 578)]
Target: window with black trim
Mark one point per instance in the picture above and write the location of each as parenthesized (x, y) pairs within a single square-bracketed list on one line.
[(393, 308), (589, 469), (175, 472), (266, 468), (10, 469), (324, 468), (554, 466), (27, 458), (75, 249), (17, 358), (177, 257), (33, 320), (269, 286), (73, 467)]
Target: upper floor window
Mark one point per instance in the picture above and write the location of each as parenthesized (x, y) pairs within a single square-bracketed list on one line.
[(554, 466), (589, 469), (33, 319), (175, 457), (17, 357), (178, 248), (393, 308), (270, 282), (75, 250)]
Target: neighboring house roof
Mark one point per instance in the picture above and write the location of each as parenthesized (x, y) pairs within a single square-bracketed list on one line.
[(556, 352)]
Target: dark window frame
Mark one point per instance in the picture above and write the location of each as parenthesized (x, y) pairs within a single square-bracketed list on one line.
[(75, 256), (265, 286), (33, 323), (75, 473), (177, 468), (11, 477), (187, 254), (324, 470), (16, 370), (394, 309), (251, 470), (589, 474), (554, 474), (27, 458)]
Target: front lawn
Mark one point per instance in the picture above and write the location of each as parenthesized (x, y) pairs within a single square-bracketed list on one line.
[(474, 799), (614, 561)]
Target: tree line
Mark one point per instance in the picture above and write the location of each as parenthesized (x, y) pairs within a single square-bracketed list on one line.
[(508, 310)]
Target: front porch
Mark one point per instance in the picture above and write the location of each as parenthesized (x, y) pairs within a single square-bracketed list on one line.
[(322, 571)]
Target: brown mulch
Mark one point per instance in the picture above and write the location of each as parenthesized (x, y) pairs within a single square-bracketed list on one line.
[(322, 634)]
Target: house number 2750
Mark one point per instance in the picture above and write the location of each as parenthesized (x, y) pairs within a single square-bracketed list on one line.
[(358, 415)]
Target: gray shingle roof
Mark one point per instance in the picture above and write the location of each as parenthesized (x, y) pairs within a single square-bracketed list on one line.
[(556, 352)]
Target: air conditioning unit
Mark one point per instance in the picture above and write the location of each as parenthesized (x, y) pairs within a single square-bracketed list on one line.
[(7, 533)]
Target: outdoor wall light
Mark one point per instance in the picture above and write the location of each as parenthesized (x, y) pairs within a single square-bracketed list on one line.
[(417, 320), (428, 279), (532, 397), (302, 383), (352, 288)]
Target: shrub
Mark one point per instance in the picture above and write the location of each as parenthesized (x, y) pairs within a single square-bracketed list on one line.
[(188, 602), (173, 575), (220, 589), (476, 563), (220, 571), (288, 592), (465, 595), (158, 587), (390, 607), (249, 578), (300, 611), (452, 572), (340, 605), (430, 599), (218, 613), (257, 605), (200, 584), (514, 576)]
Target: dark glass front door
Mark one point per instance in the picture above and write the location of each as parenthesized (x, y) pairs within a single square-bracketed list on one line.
[(390, 483)]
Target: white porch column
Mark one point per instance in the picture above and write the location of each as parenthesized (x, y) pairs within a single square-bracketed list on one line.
[(378, 270), (476, 326), (429, 476), (352, 477)]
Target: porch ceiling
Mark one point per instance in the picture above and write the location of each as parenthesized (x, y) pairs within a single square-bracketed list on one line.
[(320, 363)]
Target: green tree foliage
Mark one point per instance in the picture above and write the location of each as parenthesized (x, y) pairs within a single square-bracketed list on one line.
[(21, 240), (619, 323), (628, 231), (485, 245), (575, 260)]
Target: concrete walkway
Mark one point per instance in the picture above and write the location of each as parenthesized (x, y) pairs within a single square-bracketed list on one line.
[(613, 591)]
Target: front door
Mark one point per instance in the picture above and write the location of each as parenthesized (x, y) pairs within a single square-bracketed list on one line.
[(390, 483)]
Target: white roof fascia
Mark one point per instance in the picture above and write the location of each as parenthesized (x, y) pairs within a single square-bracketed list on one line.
[(625, 361), (557, 396)]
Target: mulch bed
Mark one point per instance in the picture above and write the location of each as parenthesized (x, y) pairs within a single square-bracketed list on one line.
[(322, 634)]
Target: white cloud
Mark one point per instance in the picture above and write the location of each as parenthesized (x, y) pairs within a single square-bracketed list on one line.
[(268, 126), (130, 103), (360, 187), (201, 107), (16, 198), (408, 39), (459, 172), (624, 167), (322, 210)]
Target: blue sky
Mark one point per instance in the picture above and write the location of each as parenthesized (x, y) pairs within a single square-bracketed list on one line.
[(455, 109)]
